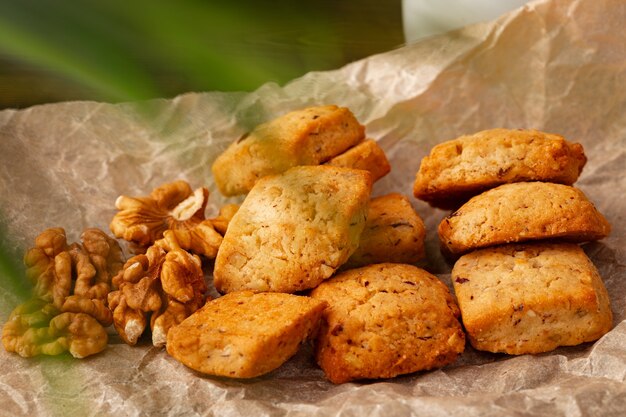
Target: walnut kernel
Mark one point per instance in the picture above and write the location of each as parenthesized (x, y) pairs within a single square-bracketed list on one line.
[(166, 283), (143, 220), (68, 311)]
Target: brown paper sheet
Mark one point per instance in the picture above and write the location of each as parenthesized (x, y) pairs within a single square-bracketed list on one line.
[(558, 66)]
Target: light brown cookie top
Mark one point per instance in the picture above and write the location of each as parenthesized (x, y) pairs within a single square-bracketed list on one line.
[(309, 136), (385, 320), (365, 155), (520, 212), (293, 230), (393, 232), (530, 298), (461, 168), (243, 335)]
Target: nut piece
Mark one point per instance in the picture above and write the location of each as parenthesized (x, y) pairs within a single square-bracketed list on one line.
[(37, 328), (202, 239), (173, 206), (166, 282), (48, 266), (106, 257), (95, 308), (173, 314), (74, 278), (138, 287), (68, 311)]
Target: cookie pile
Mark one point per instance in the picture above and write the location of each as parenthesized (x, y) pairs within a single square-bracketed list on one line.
[(310, 255), (306, 220), (329, 135), (522, 283), (304, 225)]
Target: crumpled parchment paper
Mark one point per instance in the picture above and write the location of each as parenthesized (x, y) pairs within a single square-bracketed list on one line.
[(558, 66)]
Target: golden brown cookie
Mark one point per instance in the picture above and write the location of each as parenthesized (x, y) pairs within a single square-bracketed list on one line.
[(243, 334), (461, 168), (293, 230), (385, 320), (310, 136), (366, 155), (393, 232), (530, 298), (520, 212)]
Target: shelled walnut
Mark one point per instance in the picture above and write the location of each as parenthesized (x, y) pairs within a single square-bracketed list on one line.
[(173, 206), (68, 310), (39, 328), (166, 284), (74, 278), (202, 239)]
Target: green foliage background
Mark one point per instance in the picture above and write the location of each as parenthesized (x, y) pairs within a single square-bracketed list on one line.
[(136, 49)]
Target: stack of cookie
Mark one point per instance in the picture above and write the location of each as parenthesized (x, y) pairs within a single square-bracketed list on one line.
[(522, 282), (307, 215), (322, 135), (308, 177)]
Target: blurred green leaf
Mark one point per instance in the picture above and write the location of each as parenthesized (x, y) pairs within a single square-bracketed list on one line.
[(112, 47), (46, 34), (12, 276)]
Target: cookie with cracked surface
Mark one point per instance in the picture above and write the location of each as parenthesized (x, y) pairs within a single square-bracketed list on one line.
[(365, 155), (386, 320), (309, 136), (530, 298), (520, 212), (293, 230), (461, 168), (393, 232), (243, 334)]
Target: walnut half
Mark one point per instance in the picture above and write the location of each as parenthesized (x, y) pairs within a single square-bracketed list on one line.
[(38, 328), (74, 278), (166, 284), (173, 206)]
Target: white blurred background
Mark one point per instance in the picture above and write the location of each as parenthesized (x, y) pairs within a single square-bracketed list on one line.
[(423, 18)]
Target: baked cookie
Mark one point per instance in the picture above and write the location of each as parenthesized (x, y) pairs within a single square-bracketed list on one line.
[(243, 334), (530, 298), (461, 168), (293, 230), (385, 320), (393, 232), (366, 155), (519, 212), (310, 136)]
